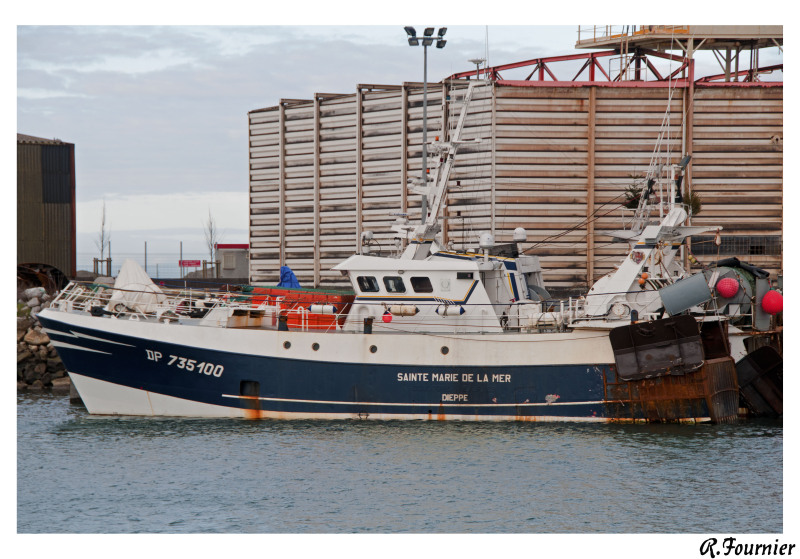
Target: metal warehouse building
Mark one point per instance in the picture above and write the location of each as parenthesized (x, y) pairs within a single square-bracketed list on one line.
[(45, 204), (556, 157)]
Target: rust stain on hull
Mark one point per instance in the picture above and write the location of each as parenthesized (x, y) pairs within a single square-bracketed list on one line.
[(252, 407), (711, 391)]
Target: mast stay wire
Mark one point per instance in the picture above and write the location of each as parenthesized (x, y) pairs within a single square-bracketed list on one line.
[(654, 164)]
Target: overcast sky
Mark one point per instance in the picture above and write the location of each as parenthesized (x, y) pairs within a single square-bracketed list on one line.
[(158, 114)]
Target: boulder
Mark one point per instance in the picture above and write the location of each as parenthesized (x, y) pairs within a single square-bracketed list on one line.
[(23, 356), (29, 376), (20, 335), (36, 338), (39, 369), (34, 302), (33, 292), (37, 385), (85, 275), (21, 386), (61, 384)]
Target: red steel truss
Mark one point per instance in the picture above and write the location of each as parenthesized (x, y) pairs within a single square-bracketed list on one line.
[(639, 64)]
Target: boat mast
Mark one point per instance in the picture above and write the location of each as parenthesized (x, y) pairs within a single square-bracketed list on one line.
[(435, 191)]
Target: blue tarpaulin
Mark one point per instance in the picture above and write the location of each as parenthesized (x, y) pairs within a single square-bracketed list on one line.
[(288, 279)]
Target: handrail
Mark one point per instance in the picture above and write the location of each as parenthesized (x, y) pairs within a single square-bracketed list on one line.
[(605, 32)]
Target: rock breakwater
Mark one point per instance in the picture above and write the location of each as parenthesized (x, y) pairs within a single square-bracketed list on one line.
[(38, 365)]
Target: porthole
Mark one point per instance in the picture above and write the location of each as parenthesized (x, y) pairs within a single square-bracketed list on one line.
[(421, 284), (315, 346), (394, 284), (287, 345), (445, 350), (367, 284), (373, 348)]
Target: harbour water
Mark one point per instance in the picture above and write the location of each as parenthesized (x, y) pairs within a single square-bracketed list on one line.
[(83, 474)]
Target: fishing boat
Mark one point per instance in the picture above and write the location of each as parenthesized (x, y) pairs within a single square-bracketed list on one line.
[(431, 333)]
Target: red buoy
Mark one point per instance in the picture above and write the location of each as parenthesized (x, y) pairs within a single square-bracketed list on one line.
[(387, 316), (727, 287), (772, 302)]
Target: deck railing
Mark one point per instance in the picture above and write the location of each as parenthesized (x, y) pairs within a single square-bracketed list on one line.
[(240, 310)]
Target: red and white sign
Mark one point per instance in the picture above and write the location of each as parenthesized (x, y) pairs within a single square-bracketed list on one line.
[(189, 263)]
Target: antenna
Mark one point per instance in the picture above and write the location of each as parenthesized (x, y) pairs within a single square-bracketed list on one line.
[(477, 62), (486, 56)]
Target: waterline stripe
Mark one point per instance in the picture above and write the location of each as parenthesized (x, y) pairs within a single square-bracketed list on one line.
[(396, 404)]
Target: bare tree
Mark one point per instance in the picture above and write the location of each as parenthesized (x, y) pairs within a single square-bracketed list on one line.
[(104, 236), (212, 235)]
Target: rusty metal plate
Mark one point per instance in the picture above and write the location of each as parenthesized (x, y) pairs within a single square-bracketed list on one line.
[(761, 381), (670, 346)]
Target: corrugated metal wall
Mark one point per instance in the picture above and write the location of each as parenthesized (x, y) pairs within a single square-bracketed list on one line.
[(46, 205), (551, 158), (738, 170)]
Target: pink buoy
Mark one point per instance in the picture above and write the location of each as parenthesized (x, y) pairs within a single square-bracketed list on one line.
[(387, 316), (727, 287), (772, 302)]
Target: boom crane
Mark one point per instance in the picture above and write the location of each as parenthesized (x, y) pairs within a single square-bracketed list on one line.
[(423, 236)]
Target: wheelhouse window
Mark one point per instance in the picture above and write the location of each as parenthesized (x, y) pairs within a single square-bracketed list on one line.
[(421, 285), (367, 284), (394, 284)]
